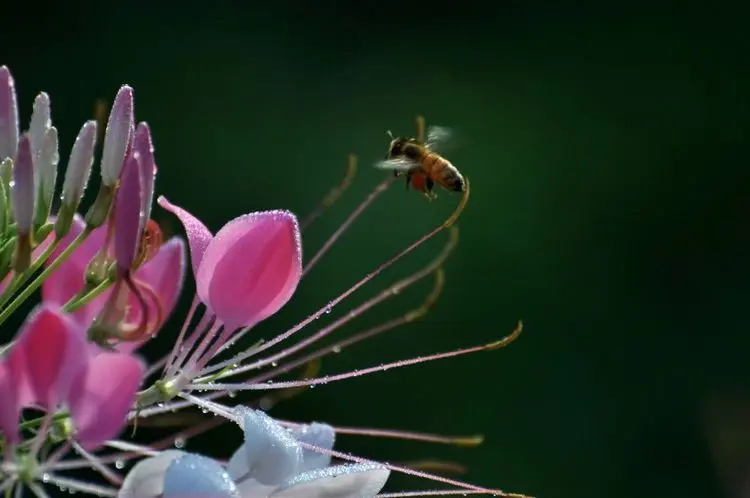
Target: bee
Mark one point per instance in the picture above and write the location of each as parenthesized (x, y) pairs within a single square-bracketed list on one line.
[(417, 159)]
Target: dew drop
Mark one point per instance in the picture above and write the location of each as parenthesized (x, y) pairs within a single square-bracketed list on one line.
[(204, 410), (232, 394), (274, 364), (119, 464), (45, 477), (179, 442), (336, 349)]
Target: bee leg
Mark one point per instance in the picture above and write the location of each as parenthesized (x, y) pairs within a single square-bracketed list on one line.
[(429, 185), (408, 180)]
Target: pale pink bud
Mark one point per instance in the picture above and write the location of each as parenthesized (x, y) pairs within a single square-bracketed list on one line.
[(251, 268), (41, 121), (79, 165), (8, 115), (23, 187), (117, 136)]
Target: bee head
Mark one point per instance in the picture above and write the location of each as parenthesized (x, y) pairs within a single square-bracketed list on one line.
[(396, 148)]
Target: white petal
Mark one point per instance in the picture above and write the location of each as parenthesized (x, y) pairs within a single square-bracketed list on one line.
[(272, 454), (362, 480), (146, 478), (250, 488), (194, 475), (316, 434)]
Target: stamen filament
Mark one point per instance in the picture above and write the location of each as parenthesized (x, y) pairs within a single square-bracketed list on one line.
[(361, 372), (361, 336), (347, 223), (334, 194)]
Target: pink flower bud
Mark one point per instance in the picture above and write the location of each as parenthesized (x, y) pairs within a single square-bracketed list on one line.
[(8, 115), (251, 268)]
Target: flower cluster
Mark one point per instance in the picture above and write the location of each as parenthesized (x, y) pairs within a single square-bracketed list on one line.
[(71, 379)]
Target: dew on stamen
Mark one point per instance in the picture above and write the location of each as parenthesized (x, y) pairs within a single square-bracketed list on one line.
[(179, 442), (119, 464)]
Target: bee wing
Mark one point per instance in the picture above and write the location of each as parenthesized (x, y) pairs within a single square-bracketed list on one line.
[(437, 137), (397, 164)]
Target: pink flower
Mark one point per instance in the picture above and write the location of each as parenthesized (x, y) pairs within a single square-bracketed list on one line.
[(50, 367), (163, 275)]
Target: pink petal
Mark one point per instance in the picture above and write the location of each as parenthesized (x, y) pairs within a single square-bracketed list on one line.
[(100, 408), (165, 274), (54, 349), (128, 215), (68, 279), (197, 234), (10, 409), (251, 268)]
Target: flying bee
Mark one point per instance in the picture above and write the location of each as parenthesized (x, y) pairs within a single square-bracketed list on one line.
[(417, 159)]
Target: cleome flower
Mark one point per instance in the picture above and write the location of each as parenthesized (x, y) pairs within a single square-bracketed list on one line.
[(70, 378)]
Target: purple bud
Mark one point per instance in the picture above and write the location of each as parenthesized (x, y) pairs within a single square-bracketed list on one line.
[(128, 224), (8, 115), (143, 150), (23, 187), (117, 136), (79, 165)]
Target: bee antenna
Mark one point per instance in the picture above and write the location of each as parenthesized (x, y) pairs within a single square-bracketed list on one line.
[(389, 133)]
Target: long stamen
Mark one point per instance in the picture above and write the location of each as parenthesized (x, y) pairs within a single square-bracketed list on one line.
[(365, 371), (347, 223), (361, 336), (179, 346), (334, 194), (464, 441), (282, 337)]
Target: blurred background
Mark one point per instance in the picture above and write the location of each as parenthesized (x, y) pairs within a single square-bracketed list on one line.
[(608, 153)]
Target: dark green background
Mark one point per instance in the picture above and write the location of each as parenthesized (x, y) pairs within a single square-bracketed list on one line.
[(608, 153)]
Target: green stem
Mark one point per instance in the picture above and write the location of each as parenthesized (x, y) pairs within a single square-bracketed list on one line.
[(37, 282), (76, 302)]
